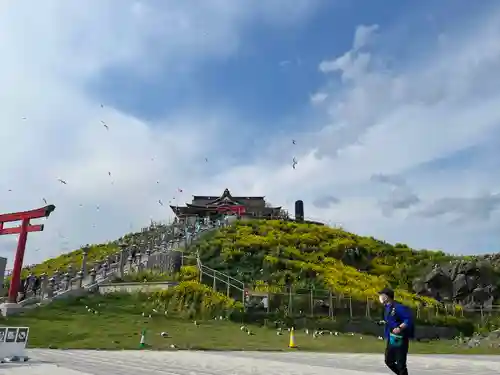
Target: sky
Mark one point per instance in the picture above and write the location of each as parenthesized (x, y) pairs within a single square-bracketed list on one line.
[(394, 107)]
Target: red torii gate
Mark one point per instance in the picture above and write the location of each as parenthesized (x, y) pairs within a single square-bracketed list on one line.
[(22, 230)]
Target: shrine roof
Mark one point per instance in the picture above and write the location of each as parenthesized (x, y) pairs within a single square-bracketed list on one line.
[(212, 197), (195, 208), (225, 194)]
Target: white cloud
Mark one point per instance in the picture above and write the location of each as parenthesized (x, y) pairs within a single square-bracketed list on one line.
[(377, 121), (318, 97), (401, 196), (364, 35), (353, 63), (51, 51)]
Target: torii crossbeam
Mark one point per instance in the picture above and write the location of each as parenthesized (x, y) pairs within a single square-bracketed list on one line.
[(23, 231)]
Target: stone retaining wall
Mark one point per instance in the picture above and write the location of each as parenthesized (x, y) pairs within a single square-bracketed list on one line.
[(135, 287)]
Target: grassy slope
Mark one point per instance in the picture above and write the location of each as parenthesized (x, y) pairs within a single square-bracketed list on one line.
[(73, 258), (119, 321), (273, 252)]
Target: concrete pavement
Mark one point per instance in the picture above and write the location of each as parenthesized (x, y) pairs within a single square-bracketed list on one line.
[(82, 362)]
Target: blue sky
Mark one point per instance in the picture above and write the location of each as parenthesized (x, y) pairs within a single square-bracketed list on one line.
[(395, 107), (273, 61)]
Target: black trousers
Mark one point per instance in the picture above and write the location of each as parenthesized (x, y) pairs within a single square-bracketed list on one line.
[(395, 357)]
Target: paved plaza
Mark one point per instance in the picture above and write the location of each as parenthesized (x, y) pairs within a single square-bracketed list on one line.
[(81, 362)]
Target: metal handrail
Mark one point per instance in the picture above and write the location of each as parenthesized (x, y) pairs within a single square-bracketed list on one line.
[(202, 269), (241, 289), (225, 275)]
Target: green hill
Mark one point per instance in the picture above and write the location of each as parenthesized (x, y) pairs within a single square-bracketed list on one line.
[(264, 253), (268, 252)]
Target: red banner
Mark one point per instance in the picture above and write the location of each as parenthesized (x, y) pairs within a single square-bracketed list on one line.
[(238, 210)]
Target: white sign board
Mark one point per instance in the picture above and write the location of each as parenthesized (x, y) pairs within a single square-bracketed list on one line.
[(13, 341)]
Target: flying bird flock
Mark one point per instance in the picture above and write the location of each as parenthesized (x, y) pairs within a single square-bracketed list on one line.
[(107, 128)]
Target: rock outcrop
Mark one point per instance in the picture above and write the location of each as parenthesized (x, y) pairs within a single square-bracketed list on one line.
[(472, 283)]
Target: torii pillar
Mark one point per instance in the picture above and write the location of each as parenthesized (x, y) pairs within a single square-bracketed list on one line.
[(23, 231)]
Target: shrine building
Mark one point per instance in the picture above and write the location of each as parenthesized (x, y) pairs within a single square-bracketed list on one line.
[(214, 207)]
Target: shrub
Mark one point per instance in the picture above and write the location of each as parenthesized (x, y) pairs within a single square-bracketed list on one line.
[(273, 253), (189, 273), (193, 300)]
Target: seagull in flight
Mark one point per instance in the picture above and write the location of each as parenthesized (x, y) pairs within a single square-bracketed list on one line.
[(160, 202), (105, 125), (294, 142), (62, 181), (44, 200), (294, 163)]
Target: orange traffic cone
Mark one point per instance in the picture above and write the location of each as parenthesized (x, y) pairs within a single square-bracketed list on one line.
[(292, 344)]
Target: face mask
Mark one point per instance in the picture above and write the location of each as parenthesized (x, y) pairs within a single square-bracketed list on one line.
[(382, 299)]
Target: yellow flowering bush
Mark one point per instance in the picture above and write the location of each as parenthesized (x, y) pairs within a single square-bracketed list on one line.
[(193, 299), (273, 253)]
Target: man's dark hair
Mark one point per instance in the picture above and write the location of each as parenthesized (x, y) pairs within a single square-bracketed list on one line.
[(388, 292)]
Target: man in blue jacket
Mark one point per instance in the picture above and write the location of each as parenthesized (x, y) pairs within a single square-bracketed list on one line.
[(399, 329)]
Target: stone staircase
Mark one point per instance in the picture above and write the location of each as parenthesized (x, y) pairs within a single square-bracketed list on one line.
[(156, 248)]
